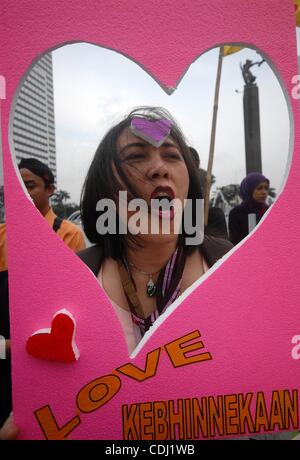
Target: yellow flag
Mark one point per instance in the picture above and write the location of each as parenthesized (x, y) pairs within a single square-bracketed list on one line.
[(297, 12), (228, 49)]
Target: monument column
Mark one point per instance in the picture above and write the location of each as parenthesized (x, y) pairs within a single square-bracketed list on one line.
[(251, 119), (252, 129)]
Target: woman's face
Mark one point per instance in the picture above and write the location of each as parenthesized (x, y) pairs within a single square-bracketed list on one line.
[(154, 172), (261, 192)]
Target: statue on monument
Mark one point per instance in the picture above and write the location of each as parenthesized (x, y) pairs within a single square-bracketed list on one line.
[(249, 78)]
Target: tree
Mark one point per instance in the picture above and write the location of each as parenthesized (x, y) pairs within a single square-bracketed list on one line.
[(60, 205), (231, 193), (226, 198), (61, 195)]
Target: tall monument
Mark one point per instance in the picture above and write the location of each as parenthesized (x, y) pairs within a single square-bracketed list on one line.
[(251, 119)]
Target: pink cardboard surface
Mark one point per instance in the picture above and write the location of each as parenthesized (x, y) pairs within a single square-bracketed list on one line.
[(242, 316)]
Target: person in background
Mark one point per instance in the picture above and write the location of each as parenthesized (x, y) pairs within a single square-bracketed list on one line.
[(216, 225), (5, 364), (254, 190), (39, 181)]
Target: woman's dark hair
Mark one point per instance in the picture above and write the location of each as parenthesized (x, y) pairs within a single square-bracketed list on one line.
[(195, 156), (101, 182), (217, 225)]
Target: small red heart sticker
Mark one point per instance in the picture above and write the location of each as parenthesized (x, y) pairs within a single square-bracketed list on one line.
[(57, 343)]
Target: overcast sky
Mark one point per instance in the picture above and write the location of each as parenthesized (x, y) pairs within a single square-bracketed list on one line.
[(95, 87)]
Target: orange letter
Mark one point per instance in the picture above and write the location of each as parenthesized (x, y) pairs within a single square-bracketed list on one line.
[(146, 421), (131, 422), (231, 414), (291, 409), (97, 393), (245, 413), (160, 410), (277, 410), (49, 426), (261, 413), (139, 374), (178, 349)]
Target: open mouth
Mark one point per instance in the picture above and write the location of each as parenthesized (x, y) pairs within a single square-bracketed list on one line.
[(162, 202)]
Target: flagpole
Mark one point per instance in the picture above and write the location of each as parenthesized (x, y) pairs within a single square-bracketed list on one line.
[(212, 138)]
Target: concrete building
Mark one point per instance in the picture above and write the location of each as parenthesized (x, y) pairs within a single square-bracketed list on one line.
[(33, 124)]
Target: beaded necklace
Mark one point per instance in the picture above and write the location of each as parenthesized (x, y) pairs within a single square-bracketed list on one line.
[(167, 289)]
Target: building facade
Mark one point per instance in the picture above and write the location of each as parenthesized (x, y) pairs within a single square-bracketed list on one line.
[(33, 124)]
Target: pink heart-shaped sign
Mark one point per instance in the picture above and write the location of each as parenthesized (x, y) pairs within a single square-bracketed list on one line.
[(224, 363)]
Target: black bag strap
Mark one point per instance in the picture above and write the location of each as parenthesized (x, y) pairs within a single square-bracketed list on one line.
[(130, 291), (4, 313), (92, 257), (57, 223)]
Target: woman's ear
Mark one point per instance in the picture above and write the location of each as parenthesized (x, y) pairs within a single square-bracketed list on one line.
[(50, 190)]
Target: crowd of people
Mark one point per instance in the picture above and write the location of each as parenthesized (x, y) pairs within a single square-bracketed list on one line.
[(142, 274)]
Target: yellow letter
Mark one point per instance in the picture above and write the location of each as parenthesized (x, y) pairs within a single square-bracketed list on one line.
[(178, 349), (98, 392), (49, 426)]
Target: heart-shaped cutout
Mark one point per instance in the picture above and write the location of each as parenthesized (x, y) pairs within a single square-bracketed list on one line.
[(111, 356), (56, 343)]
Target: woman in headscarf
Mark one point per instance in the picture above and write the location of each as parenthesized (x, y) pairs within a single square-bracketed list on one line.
[(254, 190)]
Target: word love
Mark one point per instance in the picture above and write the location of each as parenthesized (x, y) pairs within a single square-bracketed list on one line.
[(100, 391)]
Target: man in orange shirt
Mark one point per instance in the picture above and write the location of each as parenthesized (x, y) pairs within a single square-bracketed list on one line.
[(39, 181)]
